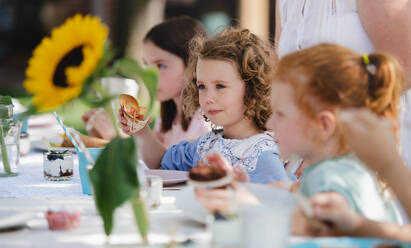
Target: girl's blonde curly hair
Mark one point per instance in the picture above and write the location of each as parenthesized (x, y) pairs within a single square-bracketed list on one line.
[(254, 59)]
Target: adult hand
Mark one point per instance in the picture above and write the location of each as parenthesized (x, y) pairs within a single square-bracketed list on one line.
[(224, 200), (216, 159), (98, 124), (333, 211), (302, 225), (371, 138)]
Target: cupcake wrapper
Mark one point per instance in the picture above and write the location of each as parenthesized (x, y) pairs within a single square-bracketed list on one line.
[(212, 184)]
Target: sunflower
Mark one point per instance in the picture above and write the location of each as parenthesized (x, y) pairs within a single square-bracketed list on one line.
[(61, 63)]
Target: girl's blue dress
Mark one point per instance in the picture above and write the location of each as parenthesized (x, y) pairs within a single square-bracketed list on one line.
[(258, 155)]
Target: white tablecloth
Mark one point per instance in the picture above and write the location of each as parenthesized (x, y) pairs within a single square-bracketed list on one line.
[(30, 181), (30, 192), (164, 220)]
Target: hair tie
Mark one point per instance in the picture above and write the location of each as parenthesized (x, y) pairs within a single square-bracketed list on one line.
[(366, 59), (368, 66)]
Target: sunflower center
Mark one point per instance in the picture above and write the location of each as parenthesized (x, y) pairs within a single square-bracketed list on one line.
[(73, 58)]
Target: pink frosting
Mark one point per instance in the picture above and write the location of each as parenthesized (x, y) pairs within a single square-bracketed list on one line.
[(62, 220)]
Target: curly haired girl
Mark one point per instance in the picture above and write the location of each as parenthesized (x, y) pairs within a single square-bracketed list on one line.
[(228, 79)]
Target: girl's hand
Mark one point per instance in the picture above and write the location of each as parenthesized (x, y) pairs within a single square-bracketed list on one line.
[(124, 124), (371, 138), (216, 159), (224, 200), (98, 124)]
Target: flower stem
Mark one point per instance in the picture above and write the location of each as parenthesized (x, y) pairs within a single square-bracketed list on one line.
[(108, 107), (4, 156), (109, 110), (140, 214)]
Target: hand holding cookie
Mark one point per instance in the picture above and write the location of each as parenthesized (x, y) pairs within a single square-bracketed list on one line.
[(131, 114)]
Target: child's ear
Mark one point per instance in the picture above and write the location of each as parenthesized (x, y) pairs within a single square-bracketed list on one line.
[(328, 124)]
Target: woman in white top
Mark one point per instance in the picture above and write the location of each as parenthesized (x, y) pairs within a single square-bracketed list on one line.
[(361, 25), (305, 23)]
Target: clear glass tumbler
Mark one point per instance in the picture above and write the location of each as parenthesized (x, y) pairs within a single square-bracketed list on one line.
[(58, 166), (155, 189), (9, 147)]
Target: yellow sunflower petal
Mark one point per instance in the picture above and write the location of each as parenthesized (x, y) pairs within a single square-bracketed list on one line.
[(79, 31)]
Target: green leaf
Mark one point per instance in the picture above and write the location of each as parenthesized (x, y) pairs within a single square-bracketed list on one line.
[(98, 102), (59, 152), (107, 72), (108, 55), (128, 67), (114, 178)]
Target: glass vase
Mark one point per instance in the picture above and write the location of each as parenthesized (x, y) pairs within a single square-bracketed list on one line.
[(9, 147), (6, 111)]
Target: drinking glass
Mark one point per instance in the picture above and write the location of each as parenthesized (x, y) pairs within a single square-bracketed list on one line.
[(155, 188), (10, 149), (58, 166)]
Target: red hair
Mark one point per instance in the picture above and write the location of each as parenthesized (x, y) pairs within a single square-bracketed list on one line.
[(330, 76)]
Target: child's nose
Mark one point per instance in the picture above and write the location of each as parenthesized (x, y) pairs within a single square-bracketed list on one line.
[(210, 97)]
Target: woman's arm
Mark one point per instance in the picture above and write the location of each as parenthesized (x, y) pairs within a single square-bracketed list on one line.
[(398, 177), (372, 140), (370, 228), (277, 26), (388, 24), (334, 217)]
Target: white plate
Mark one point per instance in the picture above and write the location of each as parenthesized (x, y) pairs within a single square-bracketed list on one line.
[(10, 218), (39, 145), (169, 177)]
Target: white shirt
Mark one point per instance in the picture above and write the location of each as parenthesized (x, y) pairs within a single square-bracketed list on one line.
[(305, 23)]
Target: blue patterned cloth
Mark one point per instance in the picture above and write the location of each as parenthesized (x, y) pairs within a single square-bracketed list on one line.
[(258, 155)]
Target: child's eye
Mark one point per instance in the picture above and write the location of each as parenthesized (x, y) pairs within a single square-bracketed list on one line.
[(220, 86), (161, 66), (200, 86)]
